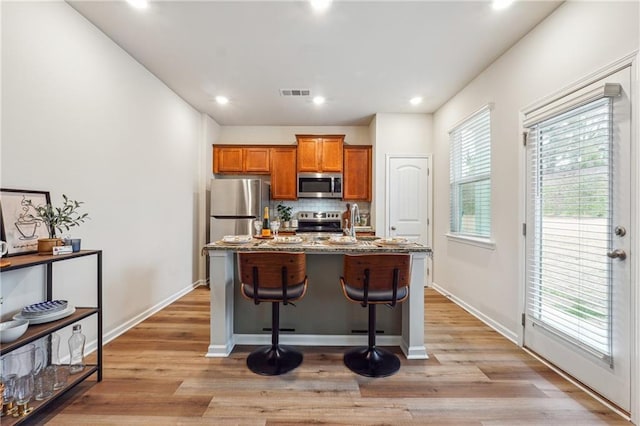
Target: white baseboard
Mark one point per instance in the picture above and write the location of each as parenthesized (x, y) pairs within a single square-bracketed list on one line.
[(504, 331), (123, 328)]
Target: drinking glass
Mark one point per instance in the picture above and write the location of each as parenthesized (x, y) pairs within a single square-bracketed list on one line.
[(275, 225), (42, 374), (8, 394), (60, 372), (24, 393), (257, 225), (44, 382), (8, 378)]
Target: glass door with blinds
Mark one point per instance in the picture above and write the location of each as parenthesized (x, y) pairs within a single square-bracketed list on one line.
[(578, 235)]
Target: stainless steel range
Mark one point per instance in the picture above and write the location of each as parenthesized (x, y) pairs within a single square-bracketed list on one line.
[(320, 222)]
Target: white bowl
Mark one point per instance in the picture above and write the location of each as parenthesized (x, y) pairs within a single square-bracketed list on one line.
[(12, 330)]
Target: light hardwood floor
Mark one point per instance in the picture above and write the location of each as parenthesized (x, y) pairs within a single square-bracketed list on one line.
[(156, 374)]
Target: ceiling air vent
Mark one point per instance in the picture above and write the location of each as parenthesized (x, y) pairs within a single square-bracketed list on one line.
[(295, 92)]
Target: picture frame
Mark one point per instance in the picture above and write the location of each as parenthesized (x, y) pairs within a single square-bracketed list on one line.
[(20, 226)]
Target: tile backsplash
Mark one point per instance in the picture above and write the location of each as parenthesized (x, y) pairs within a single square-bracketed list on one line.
[(322, 204)]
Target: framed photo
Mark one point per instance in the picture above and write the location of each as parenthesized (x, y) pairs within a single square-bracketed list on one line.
[(20, 226)]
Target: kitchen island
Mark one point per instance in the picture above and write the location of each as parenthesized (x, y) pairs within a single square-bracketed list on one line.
[(324, 317)]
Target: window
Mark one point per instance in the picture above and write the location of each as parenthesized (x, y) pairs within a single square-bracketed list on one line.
[(470, 176), (570, 194)]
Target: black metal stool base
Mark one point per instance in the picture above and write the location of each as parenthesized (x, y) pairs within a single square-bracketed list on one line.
[(273, 360), (372, 362)]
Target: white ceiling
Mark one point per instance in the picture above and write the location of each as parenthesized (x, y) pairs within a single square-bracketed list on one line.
[(365, 57)]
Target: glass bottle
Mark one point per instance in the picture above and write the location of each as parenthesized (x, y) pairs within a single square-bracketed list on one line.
[(61, 372), (266, 231), (76, 350)]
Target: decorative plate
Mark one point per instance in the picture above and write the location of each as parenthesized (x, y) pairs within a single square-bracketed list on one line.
[(52, 316), (43, 308), (287, 240), (237, 239), (394, 242), (343, 241)]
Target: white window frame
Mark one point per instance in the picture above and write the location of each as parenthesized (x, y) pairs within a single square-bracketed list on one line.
[(454, 234)]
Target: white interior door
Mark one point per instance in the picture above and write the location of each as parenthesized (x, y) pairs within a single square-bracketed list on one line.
[(408, 198), (579, 232)]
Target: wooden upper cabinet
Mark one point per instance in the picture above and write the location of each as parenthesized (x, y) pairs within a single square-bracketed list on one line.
[(320, 153), (308, 154), (283, 174), (257, 160), (241, 159), (332, 154), (227, 159), (357, 173)]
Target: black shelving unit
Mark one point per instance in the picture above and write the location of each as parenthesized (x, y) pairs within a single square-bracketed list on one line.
[(35, 332)]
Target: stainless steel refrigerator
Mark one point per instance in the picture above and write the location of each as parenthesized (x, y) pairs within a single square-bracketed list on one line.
[(235, 204)]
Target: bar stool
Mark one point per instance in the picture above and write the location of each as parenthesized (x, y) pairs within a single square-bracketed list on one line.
[(276, 277), (371, 280)]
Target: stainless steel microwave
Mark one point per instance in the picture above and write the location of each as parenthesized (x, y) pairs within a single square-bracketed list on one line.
[(319, 185)]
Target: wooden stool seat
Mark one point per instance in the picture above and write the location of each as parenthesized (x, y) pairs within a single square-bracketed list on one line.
[(371, 280), (276, 277)]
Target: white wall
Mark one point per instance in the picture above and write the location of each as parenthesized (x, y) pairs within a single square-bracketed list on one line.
[(81, 117), (211, 134), (286, 135), (576, 40), (396, 134)]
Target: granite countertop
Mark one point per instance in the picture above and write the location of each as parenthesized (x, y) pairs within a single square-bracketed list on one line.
[(315, 246)]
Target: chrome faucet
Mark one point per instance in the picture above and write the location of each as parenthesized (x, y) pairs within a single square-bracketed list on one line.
[(355, 218)]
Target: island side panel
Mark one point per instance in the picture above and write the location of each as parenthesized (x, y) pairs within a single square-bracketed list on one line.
[(413, 311), (221, 279)]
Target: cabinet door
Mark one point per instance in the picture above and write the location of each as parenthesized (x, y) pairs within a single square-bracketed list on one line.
[(357, 173), (331, 154), (227, 159), (309, 153), (283, 174), (257, 160)]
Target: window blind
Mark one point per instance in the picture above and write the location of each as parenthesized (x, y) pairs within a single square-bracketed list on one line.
[(470, 176), (568, 271)]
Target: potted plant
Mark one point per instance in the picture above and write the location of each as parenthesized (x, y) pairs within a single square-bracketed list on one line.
[(57, 218), (284, 212)]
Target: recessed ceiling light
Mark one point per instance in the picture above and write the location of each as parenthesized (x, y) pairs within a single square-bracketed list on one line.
[(415, 100), (318, 100), (222, 100), (139, 4), (320, 5), (501, 4)]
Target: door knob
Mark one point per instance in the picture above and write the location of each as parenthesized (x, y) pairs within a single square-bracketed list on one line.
[(393, 228), (617, 253)]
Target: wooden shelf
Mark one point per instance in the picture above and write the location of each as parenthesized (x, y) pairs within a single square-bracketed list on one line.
[(35, 332), (35, 259)]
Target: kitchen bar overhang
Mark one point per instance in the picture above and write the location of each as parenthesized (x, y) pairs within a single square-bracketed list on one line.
[(324, 317)]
